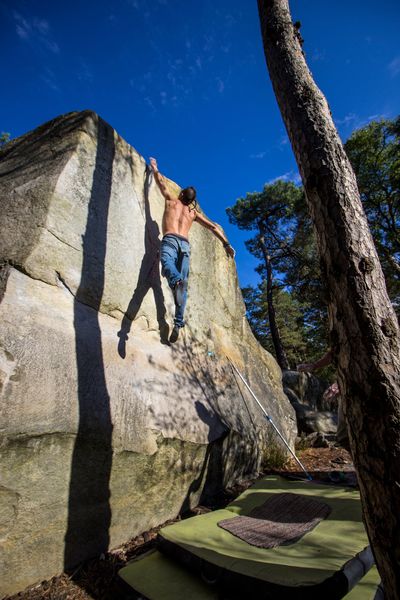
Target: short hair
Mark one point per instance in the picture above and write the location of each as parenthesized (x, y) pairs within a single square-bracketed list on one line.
[(188, 195)]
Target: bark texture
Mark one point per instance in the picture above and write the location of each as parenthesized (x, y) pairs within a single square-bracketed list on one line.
[(364, 328)]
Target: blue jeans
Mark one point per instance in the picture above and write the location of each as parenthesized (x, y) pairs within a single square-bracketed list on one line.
[(175, 258)]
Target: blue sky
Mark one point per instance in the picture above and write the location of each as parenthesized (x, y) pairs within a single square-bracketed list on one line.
[(186, 82)]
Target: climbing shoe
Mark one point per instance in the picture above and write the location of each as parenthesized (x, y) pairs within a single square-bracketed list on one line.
[(174, 335), (178, 292)]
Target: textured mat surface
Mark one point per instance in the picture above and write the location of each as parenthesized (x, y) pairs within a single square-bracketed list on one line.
[(282, 519), (315, 557)]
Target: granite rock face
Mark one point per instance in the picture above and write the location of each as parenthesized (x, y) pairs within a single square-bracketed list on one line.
[(106, 430), (308, 389), (314, 414)]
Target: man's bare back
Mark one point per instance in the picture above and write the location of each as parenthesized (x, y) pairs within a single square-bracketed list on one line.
[(177, 218)]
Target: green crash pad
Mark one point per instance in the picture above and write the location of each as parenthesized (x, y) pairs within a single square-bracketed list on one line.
[(316, 557), (366, 589), (313, 563), (157, 578)]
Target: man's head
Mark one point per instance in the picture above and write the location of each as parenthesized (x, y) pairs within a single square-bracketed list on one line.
[(188, 195)]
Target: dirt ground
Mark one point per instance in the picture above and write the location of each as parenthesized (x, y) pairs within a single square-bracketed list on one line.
[(98, 579)]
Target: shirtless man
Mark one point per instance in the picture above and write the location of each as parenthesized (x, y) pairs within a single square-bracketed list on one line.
[(179, 214)]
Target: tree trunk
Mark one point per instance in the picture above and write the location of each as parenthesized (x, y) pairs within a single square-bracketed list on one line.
[(364, 328), (276, 337)]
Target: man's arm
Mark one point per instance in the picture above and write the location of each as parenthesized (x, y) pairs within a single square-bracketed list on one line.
[(217, 231), (160, 179), (324, 361)]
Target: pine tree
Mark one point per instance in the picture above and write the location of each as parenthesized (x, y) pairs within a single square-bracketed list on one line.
[(364, 330)]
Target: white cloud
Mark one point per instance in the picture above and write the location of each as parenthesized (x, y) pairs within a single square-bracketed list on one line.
[(230, 20), (148, 101), (35, 30), (258, 155), (354, 121), (394, 66), (42, 26), (171, 77), (349, 118), (318, 55), (50, 80), (209, 43), (376, 117), (22, 32), (23, 27), (296, 179), (175, 73), (283, 141), (85, 72), (292, 176), (220, 85), (52, 46)]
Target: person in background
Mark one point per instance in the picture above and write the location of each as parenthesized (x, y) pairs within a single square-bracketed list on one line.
[(330, 394)]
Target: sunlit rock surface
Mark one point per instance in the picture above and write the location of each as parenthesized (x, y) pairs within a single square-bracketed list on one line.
[(106, 430)]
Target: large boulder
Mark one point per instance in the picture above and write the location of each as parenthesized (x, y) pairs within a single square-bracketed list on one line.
[(106, 429), (308, 388), (306, 394)]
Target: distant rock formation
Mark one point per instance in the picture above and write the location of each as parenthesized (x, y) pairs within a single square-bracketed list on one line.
[(314, 414), (106, 430)]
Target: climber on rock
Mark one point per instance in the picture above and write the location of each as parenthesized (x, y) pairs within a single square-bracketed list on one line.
[(179, 214)]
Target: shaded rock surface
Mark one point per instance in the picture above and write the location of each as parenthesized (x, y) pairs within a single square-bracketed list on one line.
[(317, 440), (97, 579), (106, 430), (306, 395), (308, 389)]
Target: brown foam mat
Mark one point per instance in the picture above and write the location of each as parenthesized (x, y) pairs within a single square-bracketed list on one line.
[(283, 519)]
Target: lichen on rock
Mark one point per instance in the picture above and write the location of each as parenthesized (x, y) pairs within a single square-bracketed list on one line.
[(106, 429)]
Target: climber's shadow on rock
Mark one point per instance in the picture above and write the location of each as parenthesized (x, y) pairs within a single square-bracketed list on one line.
[(149, 277), (89, 509)]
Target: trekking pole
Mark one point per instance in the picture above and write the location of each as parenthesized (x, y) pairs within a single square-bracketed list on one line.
[(266, 415)]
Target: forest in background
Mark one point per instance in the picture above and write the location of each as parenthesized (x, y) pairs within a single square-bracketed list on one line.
[(287, 311)]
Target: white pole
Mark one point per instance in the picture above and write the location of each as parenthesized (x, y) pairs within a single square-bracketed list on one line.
[(266, 415)]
